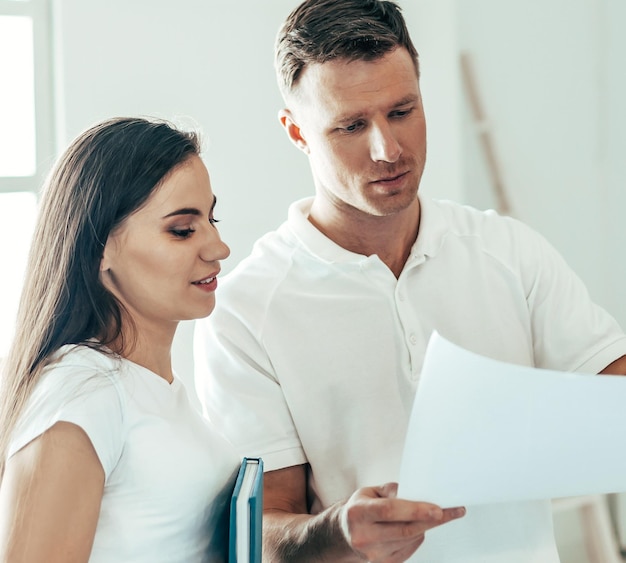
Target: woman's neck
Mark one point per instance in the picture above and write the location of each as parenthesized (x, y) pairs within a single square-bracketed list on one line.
[(149, 348)]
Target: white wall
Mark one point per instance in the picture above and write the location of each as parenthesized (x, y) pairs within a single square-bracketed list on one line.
[(612, 151)]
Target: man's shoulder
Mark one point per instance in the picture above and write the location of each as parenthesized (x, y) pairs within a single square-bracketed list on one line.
[(464, 220), (461, 216), (267, 264), (453, 226)]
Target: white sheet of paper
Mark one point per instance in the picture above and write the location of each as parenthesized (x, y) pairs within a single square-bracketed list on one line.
[(483, 431)]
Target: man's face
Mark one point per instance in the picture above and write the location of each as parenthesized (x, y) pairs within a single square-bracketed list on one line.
[(362, 125)]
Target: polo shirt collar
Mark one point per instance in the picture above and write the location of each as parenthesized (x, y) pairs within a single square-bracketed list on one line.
[(429, 239), (315, 242), (433, 228)]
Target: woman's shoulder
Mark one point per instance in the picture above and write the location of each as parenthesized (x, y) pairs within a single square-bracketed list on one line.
[(83, 356), (77, 369), (79, 385)]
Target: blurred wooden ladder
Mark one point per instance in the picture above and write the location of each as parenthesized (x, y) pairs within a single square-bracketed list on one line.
[(483, 131), (599, 535)]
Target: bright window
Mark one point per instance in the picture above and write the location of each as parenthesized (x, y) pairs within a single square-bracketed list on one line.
[(17, 97), (17, 219), (26, 146)]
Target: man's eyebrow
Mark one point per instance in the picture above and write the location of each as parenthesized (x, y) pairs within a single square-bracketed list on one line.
[(189, 210), (351, 118), (406, 101), (410, 99)]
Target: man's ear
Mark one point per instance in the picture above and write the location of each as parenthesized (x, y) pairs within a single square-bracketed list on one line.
[(293, 130)]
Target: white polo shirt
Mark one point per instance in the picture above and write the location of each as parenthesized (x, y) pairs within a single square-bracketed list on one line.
[(313, 353)]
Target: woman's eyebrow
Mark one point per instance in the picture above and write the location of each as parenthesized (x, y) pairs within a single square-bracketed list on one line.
[(183, 211), (189, 210)]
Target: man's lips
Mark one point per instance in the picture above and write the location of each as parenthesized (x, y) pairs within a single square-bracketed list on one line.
[(390, 179)]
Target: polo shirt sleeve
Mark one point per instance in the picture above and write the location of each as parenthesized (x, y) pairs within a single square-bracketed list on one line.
[(570, 331), (237, 387), (89, 398)]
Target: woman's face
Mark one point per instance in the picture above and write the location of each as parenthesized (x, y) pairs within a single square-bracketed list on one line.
[(162, 262)]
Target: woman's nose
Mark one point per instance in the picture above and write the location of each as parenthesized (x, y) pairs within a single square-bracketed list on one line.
[(214, 248)]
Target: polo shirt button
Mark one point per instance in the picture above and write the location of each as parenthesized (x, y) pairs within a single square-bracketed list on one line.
[(413, 338), (401, 296)]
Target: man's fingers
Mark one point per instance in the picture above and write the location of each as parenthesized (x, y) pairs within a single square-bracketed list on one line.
[(395, 520), (381, 527), (452, 513), (405, 510), (400, 510), (388, 490)]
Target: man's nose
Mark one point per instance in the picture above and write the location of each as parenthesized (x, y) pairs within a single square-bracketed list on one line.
[(384, 146)]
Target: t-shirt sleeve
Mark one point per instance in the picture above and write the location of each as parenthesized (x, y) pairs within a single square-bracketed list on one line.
[(570, 331), (90, 398), (239, 391)]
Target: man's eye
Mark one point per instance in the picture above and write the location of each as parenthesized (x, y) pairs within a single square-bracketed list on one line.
[(182, 233), (353, 127), (402, 112)]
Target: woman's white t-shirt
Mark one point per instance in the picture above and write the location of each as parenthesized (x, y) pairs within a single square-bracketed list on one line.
[(168, 473)]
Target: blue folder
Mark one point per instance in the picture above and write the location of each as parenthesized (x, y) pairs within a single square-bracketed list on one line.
[(246, 513)]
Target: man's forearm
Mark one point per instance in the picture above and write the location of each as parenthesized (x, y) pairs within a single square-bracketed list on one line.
[(303, 537)]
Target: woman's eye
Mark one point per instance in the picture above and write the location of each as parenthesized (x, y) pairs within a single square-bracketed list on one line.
[(182, 233), (213, 220)]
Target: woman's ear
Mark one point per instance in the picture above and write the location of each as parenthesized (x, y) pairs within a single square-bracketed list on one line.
[(293, 130), (105, 261)]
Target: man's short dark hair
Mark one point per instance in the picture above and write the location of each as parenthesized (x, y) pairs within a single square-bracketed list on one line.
[(318, 31)]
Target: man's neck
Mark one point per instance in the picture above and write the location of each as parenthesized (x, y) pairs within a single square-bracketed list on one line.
[(390, 237)]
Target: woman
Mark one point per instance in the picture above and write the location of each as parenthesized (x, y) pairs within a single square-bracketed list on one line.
[(105, 460)]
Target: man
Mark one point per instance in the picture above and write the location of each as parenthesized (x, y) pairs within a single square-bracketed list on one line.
[(312, 357)]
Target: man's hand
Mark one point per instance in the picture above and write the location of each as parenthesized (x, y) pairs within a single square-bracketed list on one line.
[(373, 525), (381, 528)]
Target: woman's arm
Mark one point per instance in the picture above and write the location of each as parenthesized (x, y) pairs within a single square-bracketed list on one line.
[(50, 498)]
